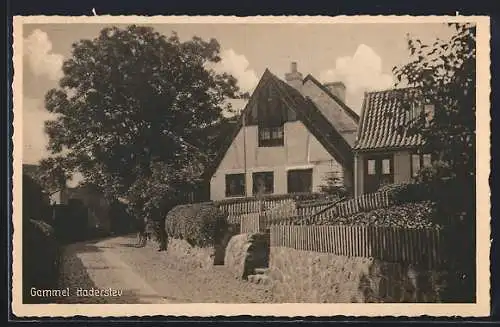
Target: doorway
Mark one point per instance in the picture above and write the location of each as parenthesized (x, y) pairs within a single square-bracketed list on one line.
[(378, 171)]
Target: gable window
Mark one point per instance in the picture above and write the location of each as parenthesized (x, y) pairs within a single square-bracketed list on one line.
[(299, 181), (419, 161), (235, 185), (272, 115), (263, 183), (271, 136)]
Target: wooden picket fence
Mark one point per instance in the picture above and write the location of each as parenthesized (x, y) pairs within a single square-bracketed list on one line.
[(250, 223), (416, 246), (259, 215)]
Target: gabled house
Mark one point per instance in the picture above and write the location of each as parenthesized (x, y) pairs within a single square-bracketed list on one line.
[(289, 137), (384, 153)]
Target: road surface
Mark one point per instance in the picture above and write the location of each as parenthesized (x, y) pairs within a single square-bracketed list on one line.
[(126, 274)]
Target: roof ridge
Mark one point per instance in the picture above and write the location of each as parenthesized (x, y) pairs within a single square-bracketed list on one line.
[(342, 104)]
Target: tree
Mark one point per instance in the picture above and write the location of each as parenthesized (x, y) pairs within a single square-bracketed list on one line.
[(138, 114), (443, 74), (333, 185)]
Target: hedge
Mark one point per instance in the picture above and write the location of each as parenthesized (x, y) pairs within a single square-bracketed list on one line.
[(40, 258), (200, 224), (270, 197)]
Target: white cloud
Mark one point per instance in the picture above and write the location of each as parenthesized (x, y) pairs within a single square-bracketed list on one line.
[(41, 59), (360, 72), (238, 66)]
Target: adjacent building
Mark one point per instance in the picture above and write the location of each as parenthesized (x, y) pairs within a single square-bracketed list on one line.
[(384, 152)]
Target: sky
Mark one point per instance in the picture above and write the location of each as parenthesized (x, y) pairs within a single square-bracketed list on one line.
[(360, 55)]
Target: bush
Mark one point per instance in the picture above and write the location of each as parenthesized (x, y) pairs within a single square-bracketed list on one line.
[(200, 224), (40, 258), (409, 215), (406, 192)]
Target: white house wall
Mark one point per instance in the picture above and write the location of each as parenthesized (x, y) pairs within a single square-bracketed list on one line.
[(301, 150)]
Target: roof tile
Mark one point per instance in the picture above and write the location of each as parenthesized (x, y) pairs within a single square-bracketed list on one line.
[(382, 114)]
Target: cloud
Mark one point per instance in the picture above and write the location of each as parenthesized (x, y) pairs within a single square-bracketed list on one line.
[(360, 72), (42, 61), (238, 66), (35, 140)]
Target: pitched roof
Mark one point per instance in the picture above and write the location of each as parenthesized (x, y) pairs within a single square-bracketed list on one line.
[(346, 108), (306, 111), (382, 115)]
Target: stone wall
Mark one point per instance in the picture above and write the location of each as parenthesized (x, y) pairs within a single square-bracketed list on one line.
[(314, 277), (245, 252), (184, 253)]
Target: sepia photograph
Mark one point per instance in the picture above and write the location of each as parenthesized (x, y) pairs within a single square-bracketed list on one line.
[(299, 166)]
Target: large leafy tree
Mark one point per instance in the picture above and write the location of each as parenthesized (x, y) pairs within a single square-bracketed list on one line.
[(138, 114), (444, 74)]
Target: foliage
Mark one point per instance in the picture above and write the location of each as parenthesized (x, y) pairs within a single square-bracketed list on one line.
[(406, 192), (333, 186), (200, 224), (36, 204), (138, 115), (274, 197), (417, 215), (40, 258), (443, 74)]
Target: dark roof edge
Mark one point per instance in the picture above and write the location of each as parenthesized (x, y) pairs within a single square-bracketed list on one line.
[(361, 121), (348, 110), (226, 144), (338, 154)]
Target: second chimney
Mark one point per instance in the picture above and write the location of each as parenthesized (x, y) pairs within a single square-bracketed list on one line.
[(294, 78), (337, 88)]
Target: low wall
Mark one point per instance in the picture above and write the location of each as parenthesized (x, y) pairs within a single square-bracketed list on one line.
[(307, 276), (245, 252), (195, 257)]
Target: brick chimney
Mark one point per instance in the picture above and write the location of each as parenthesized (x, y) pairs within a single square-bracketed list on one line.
[(337, 88), (294, 78)]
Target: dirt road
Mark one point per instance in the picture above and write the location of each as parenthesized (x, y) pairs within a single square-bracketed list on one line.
[(126, 274)]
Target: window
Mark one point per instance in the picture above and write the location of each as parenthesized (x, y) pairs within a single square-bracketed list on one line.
[(429, 113), (263, 183), (371, 167), (271, 136), (300, 181), (235, 185), (419, 161), (415, 164), (386, 166)]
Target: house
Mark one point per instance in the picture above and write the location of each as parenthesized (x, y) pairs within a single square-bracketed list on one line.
[(383, 153), (96, 205), (56, 196), (289, 137)]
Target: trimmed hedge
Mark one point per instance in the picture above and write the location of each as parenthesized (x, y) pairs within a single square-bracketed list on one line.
[(200, 224), (270, 197)]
